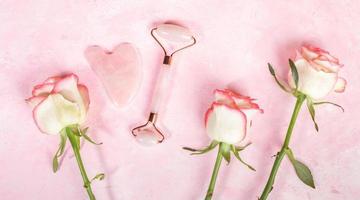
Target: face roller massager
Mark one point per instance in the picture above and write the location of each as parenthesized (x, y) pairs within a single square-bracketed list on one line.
[(172, 39)]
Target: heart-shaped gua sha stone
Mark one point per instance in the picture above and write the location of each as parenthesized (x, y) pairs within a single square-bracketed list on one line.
[(119, 70)]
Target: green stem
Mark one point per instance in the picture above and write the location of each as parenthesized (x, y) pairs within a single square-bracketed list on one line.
[(281, 154), (211, 188), (75, 145)]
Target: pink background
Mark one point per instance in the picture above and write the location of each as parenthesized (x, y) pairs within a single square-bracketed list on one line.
[(235, 41)]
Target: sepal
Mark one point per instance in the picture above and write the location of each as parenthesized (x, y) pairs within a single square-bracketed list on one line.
[(294, 73), (76, 129), (236, 149), (282, 85), (60, 151), (86, 137), (311, 109), (331, 103), (225, 151), (211, 146), (240, 148)]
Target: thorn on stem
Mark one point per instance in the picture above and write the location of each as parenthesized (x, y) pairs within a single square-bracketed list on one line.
[(209, 195), (87, 185)]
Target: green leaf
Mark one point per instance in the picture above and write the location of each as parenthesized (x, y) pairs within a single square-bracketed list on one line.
[(225, 151), (236, 153), (331, 103), (99, 177), (302, 171), (211, 146), (272, 72), (311, 109), (60, 151), (294, 73)]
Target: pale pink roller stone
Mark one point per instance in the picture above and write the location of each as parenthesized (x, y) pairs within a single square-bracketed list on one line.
[(119, 70)]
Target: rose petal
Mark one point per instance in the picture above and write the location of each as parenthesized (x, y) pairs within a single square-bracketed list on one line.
[(316, 50), (298, 55), (248, 107), (34, 101), (84, 92), (68, 88), (340, 85), (243, 102), (325, 65), (223, 97), (225, 124), (250, 113), (316, 84), (309, 53), (42, 89), (234, 94), (54, 113), (320, 59), (53, 79), (329, 57)]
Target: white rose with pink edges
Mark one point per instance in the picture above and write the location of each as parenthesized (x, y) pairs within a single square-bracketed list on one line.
[(312, 76), (229, 116), (58, 102), (318, 73), (227, 121)]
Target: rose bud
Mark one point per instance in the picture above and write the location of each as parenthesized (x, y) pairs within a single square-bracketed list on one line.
[(318, 73), (229, 117), (59, 102)]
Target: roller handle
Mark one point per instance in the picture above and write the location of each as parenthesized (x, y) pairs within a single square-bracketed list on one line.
[(162, 88)]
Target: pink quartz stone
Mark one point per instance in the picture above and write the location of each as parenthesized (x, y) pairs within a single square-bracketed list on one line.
[(147, 138), (174, 33), (119, 70)]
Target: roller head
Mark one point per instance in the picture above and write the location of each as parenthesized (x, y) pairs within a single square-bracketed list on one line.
[(174, 33), (172, 38)]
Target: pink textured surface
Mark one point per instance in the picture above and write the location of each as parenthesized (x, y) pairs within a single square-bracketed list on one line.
[(235, 41)]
